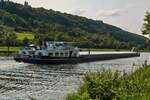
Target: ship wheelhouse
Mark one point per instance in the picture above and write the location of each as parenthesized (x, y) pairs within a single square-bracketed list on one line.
[(57, 49), (49, 49)]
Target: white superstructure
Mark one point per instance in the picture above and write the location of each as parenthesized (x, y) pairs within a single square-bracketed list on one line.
[(50, 49)]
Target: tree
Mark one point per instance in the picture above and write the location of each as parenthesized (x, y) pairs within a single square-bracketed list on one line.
[(146, 25), (8, 36)]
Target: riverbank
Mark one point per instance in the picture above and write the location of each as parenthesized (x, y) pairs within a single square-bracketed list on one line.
[(107, 85), (12, 50)]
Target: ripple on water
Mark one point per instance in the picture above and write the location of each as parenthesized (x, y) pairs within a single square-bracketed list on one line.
[(18, 81)]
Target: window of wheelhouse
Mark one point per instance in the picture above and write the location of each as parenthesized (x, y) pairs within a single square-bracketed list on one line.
[(61, 54), (66, 54), (57, 54), (50, 54), (74, 54)]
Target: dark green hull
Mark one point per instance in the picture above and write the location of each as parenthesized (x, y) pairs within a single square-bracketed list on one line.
[(81, 59)]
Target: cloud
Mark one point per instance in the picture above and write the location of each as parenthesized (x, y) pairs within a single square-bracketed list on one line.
[(80, 11), (117, 11), (131, 5), (111, 13)]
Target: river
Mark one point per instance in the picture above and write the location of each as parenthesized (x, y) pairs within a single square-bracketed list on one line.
[(19, 81)]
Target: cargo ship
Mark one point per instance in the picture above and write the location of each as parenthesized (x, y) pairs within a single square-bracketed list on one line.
[(52, 52)]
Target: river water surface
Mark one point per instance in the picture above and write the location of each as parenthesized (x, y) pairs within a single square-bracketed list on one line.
[(19, 81)]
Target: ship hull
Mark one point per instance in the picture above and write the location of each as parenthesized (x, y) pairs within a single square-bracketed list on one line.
[(74, 60)]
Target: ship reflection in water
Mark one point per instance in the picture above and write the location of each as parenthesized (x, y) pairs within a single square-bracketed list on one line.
[(53, 82)]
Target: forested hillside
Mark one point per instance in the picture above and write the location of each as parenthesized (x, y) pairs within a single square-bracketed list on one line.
[(53, 25)]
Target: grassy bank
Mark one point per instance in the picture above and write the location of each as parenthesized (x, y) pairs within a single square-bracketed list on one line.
[(114, 86), (12, 50), (23, 35)]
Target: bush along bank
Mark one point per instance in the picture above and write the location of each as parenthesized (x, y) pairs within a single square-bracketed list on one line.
[(107, 85)]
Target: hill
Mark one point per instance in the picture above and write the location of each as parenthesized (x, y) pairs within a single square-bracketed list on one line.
[(54, 25)]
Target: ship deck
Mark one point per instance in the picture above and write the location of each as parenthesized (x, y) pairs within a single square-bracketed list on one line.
[(98, 52)]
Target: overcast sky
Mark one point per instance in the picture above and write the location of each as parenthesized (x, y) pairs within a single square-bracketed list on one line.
[(127, 14)]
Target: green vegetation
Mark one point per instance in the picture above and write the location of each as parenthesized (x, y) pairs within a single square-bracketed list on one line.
[(146, 28), (12, 50), (7, 37), (53, 25), (107, 85), (146, 25)]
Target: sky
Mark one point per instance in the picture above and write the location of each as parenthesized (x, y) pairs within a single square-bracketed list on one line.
[(126, 14)]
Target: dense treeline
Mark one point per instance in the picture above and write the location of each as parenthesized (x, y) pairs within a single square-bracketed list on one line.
[(54, 25), (7, 36)]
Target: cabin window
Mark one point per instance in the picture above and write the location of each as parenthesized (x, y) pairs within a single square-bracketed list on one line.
[(75, 54), (56, 54), (24, 52), (50, 54), (70, 53), (61, 54), (66, 54)]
